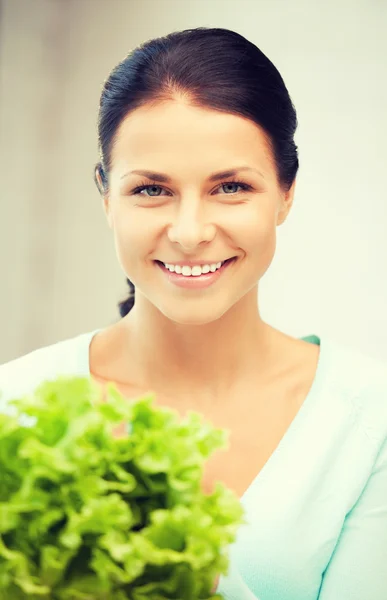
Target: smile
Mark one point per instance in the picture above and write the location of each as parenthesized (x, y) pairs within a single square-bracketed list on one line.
[(195, 270), (196, 276)]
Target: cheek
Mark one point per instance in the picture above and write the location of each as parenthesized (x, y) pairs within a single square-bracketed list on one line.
[(254, 229), (136, 236), (129, 236)]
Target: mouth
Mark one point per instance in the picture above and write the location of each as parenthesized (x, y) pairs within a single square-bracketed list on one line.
[(195, 276)]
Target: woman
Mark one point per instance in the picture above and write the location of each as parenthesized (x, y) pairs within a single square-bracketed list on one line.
[(198, 169)]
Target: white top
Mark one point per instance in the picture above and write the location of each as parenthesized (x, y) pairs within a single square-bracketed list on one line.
[(317, 511)]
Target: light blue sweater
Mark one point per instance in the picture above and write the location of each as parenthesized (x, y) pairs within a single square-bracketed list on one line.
[(317, 511)]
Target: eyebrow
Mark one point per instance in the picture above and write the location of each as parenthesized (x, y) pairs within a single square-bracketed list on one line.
[(213, 177)]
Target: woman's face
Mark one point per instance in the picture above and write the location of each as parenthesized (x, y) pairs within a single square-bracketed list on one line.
[(188, 212)]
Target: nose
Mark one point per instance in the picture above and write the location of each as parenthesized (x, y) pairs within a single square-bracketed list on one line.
[(190, 229)]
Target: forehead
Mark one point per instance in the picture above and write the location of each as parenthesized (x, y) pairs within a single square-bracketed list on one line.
[(175, 134)]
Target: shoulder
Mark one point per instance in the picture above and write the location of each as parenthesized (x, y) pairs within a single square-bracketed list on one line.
[(360, 382), (22, 375)]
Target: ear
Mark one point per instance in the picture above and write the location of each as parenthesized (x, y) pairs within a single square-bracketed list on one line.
[(98, 178), (105, 195), (107, 210), (286, 203)]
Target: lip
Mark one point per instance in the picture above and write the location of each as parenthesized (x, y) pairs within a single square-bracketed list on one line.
[(191, 263), (195, 283)]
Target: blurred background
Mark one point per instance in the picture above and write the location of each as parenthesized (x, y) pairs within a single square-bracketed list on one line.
[(59, 272)]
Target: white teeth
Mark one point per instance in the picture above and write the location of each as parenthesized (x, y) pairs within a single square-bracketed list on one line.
[(195, 271)]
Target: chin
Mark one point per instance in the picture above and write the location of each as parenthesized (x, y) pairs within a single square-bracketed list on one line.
[(185, 315)]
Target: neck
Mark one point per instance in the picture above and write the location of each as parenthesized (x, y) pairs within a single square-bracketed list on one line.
[(208, 358)]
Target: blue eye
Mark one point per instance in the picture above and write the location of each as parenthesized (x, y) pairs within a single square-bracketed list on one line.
[(244, 186), (153, 190)]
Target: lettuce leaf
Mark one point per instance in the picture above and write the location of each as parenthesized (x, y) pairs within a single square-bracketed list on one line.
[(89, 515)]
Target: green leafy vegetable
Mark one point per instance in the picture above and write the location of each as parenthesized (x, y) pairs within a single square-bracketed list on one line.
[(89, 515)]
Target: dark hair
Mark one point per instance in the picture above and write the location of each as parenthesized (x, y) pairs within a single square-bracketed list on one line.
[(213, 68)]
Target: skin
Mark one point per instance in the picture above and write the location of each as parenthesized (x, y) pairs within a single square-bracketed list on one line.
[(213, 339)]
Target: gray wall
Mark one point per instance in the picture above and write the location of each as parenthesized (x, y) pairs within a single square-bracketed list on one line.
[(59, 273)]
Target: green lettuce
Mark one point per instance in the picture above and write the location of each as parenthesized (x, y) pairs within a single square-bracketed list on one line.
[(89, 515)]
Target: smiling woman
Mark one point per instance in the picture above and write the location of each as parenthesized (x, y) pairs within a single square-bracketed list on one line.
[(173, 105), (197, 171)]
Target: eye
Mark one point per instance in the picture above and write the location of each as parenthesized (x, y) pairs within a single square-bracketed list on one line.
[(155, 190), (229, 187)]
